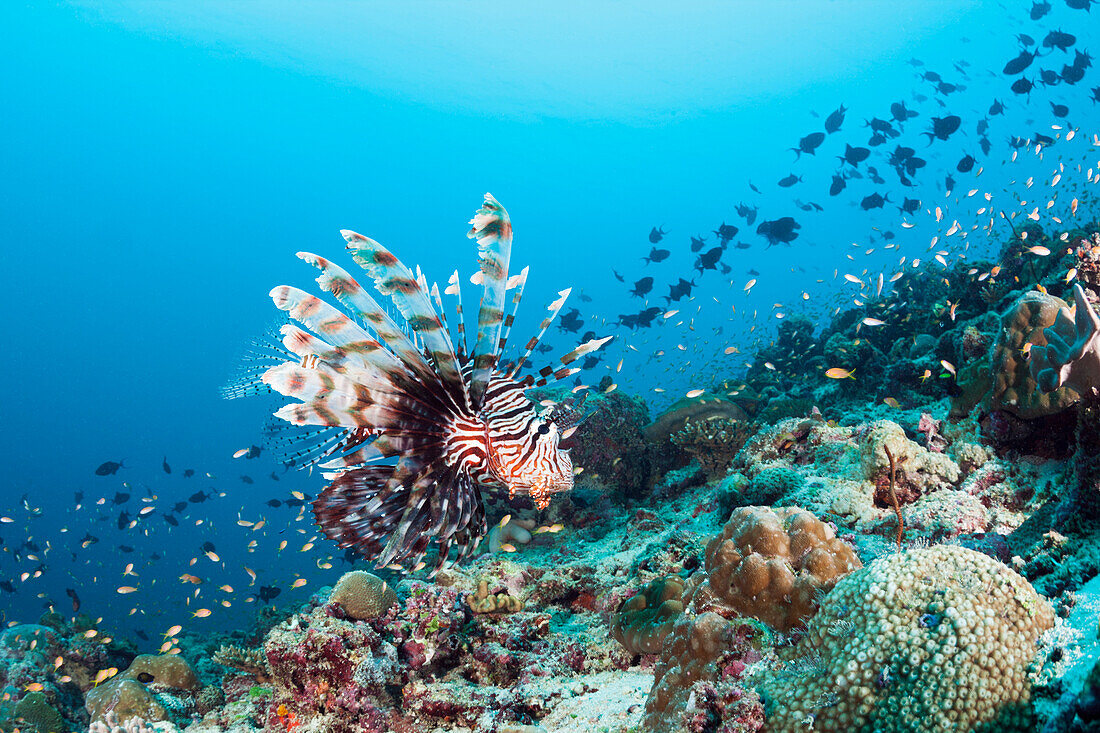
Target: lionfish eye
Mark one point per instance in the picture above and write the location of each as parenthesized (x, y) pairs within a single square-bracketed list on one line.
[(543, 429)]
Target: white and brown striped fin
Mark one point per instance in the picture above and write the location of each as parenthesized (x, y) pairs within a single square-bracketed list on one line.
[(554, 309), (393, 279), (549, 375), (492, 229), (455, 288), (334, 279), (519, 282)]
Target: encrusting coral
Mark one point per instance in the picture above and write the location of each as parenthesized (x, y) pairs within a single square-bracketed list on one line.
[(771, 565), (713, 442), (363, 595), (643, 621), (935, 639), (1071, 357), (697, 680), (485, 602)]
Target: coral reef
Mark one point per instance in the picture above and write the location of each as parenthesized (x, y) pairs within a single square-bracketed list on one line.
[(698, 681), (713, 442)]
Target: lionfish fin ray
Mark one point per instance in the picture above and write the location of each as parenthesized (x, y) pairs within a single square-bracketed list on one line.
[(492, 229)]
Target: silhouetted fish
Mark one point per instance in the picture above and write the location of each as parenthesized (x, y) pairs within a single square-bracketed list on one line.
[(120, 498), (779, 230), (809, 144), (1038, 10), (164, 465), (726, 232), (1059, 40), (642, 287), (269, 593), (874, 201), (789, 181), (109, 468), (834, 121), (1018, 64), (657, 234), (679, 290), (188, 472), (656, 255), (697, 244), (943, 127), (853, 156), (571, 321), (75, 599)]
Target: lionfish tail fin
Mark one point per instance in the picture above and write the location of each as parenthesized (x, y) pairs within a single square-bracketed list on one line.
[(492, 229)]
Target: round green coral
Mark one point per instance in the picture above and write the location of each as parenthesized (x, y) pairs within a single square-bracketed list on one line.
[(772, 483), (643, 621)]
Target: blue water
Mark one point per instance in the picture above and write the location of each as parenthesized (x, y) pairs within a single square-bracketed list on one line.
[(162, 163)]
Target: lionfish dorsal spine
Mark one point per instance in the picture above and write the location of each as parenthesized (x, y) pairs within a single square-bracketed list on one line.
[(455, 288), (394, 279), (554, 308), (519, 282), (492, 229)]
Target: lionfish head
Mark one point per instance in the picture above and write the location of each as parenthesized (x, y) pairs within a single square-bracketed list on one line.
[(532, 463)]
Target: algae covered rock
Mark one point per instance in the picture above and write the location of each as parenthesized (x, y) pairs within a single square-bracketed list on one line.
[(166, 670), (772, 483), (363, 595), (126, 698)]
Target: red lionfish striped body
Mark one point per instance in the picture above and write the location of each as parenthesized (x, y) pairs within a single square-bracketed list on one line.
[(412, 429)]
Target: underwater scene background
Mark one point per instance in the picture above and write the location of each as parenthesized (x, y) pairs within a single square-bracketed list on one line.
[(832, 430)]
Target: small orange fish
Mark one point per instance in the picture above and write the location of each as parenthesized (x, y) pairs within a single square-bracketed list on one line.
[(840, 373)]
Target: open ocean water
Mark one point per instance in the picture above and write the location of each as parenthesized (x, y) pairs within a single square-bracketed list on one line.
[(805, 441)]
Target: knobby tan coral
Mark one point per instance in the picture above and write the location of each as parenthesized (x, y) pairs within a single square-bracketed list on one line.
[(771, 564), (485, 602)]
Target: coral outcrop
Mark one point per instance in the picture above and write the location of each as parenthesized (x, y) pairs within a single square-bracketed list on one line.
[(363, 595), (936, 639), (771, 565)]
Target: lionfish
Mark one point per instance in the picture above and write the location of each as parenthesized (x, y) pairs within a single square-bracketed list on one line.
[(410, 427)]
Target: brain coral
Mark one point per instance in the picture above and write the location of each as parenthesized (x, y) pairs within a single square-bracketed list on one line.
[(363, 595), (770, 564), (935, 639), (644, 620)]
